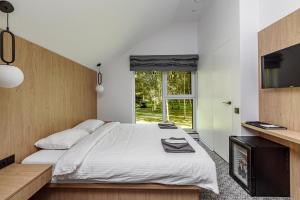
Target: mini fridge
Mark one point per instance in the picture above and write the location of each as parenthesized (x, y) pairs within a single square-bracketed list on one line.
[(260, 166)]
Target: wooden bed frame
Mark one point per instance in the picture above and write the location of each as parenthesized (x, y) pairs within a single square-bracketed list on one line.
[(82, 191)]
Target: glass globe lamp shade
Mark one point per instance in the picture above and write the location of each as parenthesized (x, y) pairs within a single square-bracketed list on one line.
[(99, 88), (10, 76)]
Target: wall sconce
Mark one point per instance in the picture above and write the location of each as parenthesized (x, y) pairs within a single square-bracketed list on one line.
[(10, 76), (99, 87)]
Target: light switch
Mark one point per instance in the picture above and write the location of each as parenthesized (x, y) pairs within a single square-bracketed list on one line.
[(237, 110)]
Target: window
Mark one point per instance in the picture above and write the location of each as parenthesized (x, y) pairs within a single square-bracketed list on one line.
[(179, 83), (148, 97), (165, 96)]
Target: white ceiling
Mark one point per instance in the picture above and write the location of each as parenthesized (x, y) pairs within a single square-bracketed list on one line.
[(190, 10), (92, 31)]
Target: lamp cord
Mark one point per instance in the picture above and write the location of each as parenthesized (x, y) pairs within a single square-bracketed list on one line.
[(99, 78), (7, 24), (99, 75)]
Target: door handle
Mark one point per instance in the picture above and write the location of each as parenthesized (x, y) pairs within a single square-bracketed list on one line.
[(227, 102)]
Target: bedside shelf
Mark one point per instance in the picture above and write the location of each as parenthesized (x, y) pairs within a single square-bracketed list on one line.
[(288, 135), (19, 181)]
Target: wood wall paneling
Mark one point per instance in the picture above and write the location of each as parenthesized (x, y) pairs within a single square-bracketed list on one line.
[(282, 106), (56, 94)]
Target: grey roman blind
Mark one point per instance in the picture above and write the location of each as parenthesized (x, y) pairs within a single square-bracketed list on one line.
[(164, 63)]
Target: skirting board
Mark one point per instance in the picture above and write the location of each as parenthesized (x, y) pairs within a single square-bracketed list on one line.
[(117, 192)]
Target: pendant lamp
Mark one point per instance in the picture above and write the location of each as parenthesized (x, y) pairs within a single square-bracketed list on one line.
[(10, 76)]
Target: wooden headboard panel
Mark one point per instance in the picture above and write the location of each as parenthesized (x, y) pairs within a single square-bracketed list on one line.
[(280, 106), (56, 94)]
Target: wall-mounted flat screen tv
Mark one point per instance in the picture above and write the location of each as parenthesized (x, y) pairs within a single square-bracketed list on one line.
[(281, 69)]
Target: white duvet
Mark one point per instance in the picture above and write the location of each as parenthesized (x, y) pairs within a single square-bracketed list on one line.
[(132, 153)]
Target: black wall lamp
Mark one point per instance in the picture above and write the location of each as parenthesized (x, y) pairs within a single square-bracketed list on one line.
[(99, 87)]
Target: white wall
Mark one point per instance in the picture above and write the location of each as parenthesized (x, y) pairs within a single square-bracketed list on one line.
[(249, 23), (273, 10), (116, 103), (226, 39), (218, 74), (254, 16), (227, 36), (219, 32)]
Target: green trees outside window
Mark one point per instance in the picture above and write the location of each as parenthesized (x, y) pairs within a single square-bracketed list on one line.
[(148, 97), (169, 91)]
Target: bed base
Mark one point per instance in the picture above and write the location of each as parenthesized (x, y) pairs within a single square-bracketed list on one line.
[(117, 192)]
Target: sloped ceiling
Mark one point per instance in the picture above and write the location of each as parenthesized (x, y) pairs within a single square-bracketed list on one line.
[(92, 31)]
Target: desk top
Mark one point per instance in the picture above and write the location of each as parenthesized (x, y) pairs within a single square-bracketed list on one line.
[(289, 135)]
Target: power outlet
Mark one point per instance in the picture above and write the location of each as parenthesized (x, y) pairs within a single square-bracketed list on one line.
[(7, 161)]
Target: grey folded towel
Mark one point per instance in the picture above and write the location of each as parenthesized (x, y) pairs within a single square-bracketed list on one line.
[(167, 126), (177, 147)]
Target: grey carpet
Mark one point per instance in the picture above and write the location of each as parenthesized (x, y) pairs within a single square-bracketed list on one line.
[(229, 189)]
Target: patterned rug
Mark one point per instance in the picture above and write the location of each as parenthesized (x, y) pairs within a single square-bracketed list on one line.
[(229, 189)]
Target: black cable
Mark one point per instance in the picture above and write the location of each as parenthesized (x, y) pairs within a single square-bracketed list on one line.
[(7, 25)]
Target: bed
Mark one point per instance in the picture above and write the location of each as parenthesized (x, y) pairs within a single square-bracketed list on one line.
[(127, 160)]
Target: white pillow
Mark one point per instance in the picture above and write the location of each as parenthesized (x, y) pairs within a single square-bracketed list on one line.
[(89, 125), (62, 140)]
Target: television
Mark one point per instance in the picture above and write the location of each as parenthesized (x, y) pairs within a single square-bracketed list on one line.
[(281, 69)]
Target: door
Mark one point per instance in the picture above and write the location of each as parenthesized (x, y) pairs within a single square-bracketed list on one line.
[(222, 79)]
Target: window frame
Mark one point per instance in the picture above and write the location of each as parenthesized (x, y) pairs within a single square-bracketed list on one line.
[(166, 97), (192, 96)]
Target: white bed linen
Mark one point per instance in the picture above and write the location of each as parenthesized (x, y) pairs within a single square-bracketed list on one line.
[(74, 157), (62, 140), (132, 153), (44, 157)]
